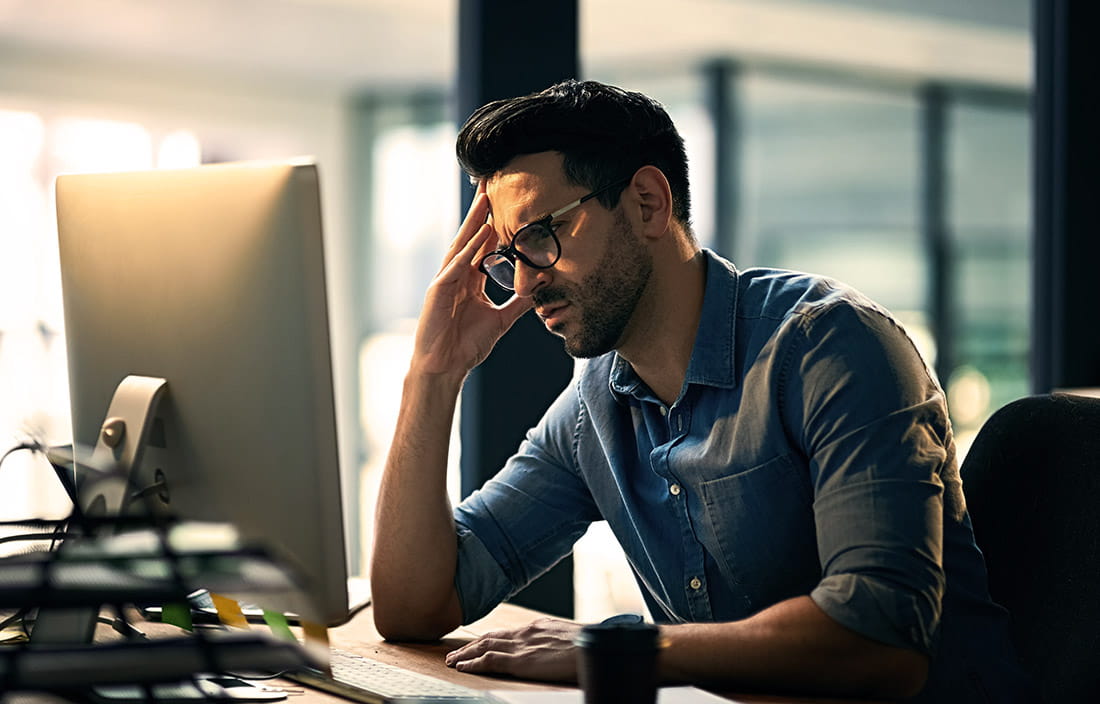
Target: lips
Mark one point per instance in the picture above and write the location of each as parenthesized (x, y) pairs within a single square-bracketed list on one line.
[(551, 312)]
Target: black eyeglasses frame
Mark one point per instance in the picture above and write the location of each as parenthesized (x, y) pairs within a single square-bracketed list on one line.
[(511, 254)]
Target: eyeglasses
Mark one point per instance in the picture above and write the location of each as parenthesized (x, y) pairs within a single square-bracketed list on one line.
[(534, 244)]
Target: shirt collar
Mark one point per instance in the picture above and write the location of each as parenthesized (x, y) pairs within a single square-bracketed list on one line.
[(712, 355)]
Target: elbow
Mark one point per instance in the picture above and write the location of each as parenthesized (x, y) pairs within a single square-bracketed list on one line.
[(904, 676), (404, 622), (404, 630), (914, 678)]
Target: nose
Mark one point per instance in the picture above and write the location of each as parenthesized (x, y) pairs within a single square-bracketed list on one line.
[(528, 279)]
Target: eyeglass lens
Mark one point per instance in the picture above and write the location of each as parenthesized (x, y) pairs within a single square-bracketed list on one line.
[(535, 244), (501, 269)]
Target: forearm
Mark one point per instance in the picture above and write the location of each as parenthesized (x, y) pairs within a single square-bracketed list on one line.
[(413, 566), (792, 645), (415, 544)]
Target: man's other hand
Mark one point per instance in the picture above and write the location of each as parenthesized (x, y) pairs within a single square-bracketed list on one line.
[(542, 650)]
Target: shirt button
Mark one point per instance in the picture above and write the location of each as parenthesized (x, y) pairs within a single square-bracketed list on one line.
[(664, 411), (674, 489), (695, 583)]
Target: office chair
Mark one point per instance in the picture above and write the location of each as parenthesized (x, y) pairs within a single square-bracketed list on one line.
[(1032, 483)]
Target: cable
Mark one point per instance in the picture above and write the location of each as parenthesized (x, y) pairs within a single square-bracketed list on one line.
[(25, 445), (52, 536), (55, 456)]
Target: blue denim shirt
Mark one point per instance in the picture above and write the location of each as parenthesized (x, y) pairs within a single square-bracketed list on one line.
[(809, 453)]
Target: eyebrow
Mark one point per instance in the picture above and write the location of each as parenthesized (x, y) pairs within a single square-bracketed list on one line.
[(511, 235), (552, 214)]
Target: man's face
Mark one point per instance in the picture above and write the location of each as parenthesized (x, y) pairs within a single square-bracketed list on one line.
[(590, 295)]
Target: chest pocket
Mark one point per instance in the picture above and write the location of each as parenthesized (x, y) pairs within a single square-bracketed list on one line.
[(762, 523)]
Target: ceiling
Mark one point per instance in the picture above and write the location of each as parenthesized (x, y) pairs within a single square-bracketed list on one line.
[(347, 45)]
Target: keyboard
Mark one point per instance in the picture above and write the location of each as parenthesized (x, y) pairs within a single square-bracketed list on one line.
[(373, 682)]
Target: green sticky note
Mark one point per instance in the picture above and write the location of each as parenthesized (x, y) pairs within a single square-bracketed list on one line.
[(278, 625), (177, 615)]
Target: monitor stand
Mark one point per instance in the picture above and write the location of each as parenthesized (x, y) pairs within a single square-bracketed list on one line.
[(105, 491)]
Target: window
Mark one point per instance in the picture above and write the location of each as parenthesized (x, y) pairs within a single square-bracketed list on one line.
[(988, 216), (404, 227), (831, 185)]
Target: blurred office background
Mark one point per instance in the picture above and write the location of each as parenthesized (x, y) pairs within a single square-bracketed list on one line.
[(882, 142)]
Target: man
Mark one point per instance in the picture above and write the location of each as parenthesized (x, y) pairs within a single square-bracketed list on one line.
[(767, 446)]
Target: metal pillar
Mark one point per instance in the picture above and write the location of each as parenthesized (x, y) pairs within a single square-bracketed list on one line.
[(1066, 251), (509, 48)]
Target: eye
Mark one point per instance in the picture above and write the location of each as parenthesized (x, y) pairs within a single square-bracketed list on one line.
[(541, 233), (536, 239)]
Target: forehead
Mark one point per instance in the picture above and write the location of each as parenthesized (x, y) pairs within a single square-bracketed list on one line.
[(529, 187)]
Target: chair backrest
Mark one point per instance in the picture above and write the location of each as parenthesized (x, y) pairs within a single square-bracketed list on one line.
[(1032, 483)]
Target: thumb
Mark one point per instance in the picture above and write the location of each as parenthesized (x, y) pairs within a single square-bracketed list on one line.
[(514, 308)]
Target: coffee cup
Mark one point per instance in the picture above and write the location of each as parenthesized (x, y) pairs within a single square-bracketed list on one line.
[(617, 661)]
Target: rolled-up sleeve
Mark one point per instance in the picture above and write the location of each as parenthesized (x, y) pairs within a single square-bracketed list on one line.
[(525, 519), (881, 552), (874, 425)]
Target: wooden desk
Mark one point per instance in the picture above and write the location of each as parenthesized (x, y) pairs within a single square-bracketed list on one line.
[(359, 636)]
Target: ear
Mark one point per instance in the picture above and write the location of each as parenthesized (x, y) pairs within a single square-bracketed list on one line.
[(651, 197)]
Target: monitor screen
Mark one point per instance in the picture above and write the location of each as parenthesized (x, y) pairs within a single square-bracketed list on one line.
[(212, 279)]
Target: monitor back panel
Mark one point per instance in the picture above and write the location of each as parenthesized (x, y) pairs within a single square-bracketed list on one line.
[(213, 278)]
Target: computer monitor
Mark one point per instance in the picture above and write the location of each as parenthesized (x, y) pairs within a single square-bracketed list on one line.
[(213, 280)]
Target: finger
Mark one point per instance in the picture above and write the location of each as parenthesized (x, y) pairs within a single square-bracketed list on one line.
[(514, 308), (461, 261), (490, 243), (493, 661), (475, 218), (477, 648), (470, 650)]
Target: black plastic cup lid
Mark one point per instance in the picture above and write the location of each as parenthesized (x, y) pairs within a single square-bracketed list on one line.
[(620, 637)]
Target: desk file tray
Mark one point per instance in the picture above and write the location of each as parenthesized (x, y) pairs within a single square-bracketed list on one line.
[(140, 567), (126, 561), (69, 668)]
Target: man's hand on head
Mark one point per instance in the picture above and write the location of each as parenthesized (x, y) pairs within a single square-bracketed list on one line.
[(459, 325), (542, 650)]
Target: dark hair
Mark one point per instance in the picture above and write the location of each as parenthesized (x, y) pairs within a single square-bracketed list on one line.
[(604, 134)]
